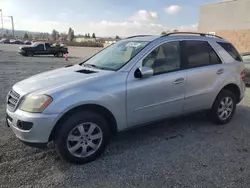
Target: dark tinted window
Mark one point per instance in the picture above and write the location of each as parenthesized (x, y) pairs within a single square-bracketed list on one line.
[(200, 53), (214, 58), (47, 45), (231, 50), (40, 47)]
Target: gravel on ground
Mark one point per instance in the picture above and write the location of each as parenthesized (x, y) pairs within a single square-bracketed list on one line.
[(188, 152)]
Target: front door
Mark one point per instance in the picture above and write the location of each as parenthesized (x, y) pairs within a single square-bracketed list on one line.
[(39, 49), (161, 95)]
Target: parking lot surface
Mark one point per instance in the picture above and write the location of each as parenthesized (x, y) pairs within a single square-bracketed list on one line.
[(189, 152)]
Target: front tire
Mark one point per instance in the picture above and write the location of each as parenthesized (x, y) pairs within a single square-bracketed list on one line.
[(82, 138), (223, 108), (30, 54)]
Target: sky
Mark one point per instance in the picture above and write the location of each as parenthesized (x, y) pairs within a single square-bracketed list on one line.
[(103, 17)]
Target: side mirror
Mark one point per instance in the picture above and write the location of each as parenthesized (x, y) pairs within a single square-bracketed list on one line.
[(144, 72)]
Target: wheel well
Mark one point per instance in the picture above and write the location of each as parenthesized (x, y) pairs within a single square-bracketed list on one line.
[(235, 89), (104, 112)]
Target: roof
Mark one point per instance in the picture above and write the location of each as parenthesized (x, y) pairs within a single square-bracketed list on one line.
[(147, 38), (176, 35)]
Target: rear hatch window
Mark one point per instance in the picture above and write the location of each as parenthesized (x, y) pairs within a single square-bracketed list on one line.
[(231, 50)]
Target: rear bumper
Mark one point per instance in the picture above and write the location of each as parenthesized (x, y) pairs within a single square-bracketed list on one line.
[(247, 81), (242, 91)]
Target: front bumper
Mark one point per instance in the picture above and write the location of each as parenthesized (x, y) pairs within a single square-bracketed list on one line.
[(41, 129), (21, 52)]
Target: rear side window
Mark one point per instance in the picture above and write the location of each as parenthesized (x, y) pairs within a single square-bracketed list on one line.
[(200, 53), (231, 50), (47, 45)]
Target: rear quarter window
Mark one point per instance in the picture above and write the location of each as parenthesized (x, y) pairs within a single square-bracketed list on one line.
[(231, 50)]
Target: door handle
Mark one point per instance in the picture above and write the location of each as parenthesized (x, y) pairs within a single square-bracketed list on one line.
[(179, 81), (221, 71)]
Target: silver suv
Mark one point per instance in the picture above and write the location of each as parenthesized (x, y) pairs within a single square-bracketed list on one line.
[(135, 81)]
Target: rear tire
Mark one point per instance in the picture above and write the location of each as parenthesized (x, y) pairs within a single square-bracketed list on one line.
[(82, 138), (60, 54), (223, 108)]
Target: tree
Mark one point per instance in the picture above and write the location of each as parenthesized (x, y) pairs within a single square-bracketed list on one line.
[(93, 35), (117, 37), (163, 33), (26, 36), (54, 35), (70, 34), (88, 35), (64, 36), (30, 36)]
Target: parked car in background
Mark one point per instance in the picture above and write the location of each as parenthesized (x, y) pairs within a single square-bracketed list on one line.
[(41, 48), (246, 59), (5, 41), (18, 41), (27, 42), (138, 80)]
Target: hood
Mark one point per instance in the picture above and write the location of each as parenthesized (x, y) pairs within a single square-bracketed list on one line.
[(25, 47), (56, 78)]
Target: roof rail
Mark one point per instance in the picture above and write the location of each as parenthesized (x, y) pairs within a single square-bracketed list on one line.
[(138, 36), (192, 33)]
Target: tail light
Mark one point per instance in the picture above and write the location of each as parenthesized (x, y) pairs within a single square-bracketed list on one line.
[(243, 74)]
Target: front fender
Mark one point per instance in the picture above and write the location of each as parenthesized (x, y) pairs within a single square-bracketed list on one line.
[(71, 99)]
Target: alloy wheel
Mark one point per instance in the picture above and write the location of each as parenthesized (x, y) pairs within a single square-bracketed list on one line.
[(84, 140), (225, 108)]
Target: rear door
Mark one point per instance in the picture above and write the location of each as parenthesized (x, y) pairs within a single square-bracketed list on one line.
[(205, 73)]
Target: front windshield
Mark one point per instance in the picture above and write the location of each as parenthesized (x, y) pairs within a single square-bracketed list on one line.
[(116, 55)]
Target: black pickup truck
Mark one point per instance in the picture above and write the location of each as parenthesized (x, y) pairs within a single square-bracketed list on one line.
[(39, 48)]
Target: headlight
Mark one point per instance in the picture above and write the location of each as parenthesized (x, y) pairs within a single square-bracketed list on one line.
[(35, 103)]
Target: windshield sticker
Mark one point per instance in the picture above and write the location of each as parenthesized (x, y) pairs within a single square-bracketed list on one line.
[(133, 44)]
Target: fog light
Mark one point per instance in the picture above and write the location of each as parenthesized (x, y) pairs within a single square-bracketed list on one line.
[(23, 125)]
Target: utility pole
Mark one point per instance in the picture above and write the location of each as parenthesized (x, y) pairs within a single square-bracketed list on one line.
[(2, 20), (13, 30)]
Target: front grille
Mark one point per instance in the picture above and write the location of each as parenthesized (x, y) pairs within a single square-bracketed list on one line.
[(12, 100)]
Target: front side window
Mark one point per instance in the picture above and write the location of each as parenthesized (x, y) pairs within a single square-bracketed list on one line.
[(116, 55), (40, 47), (165, 58)]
